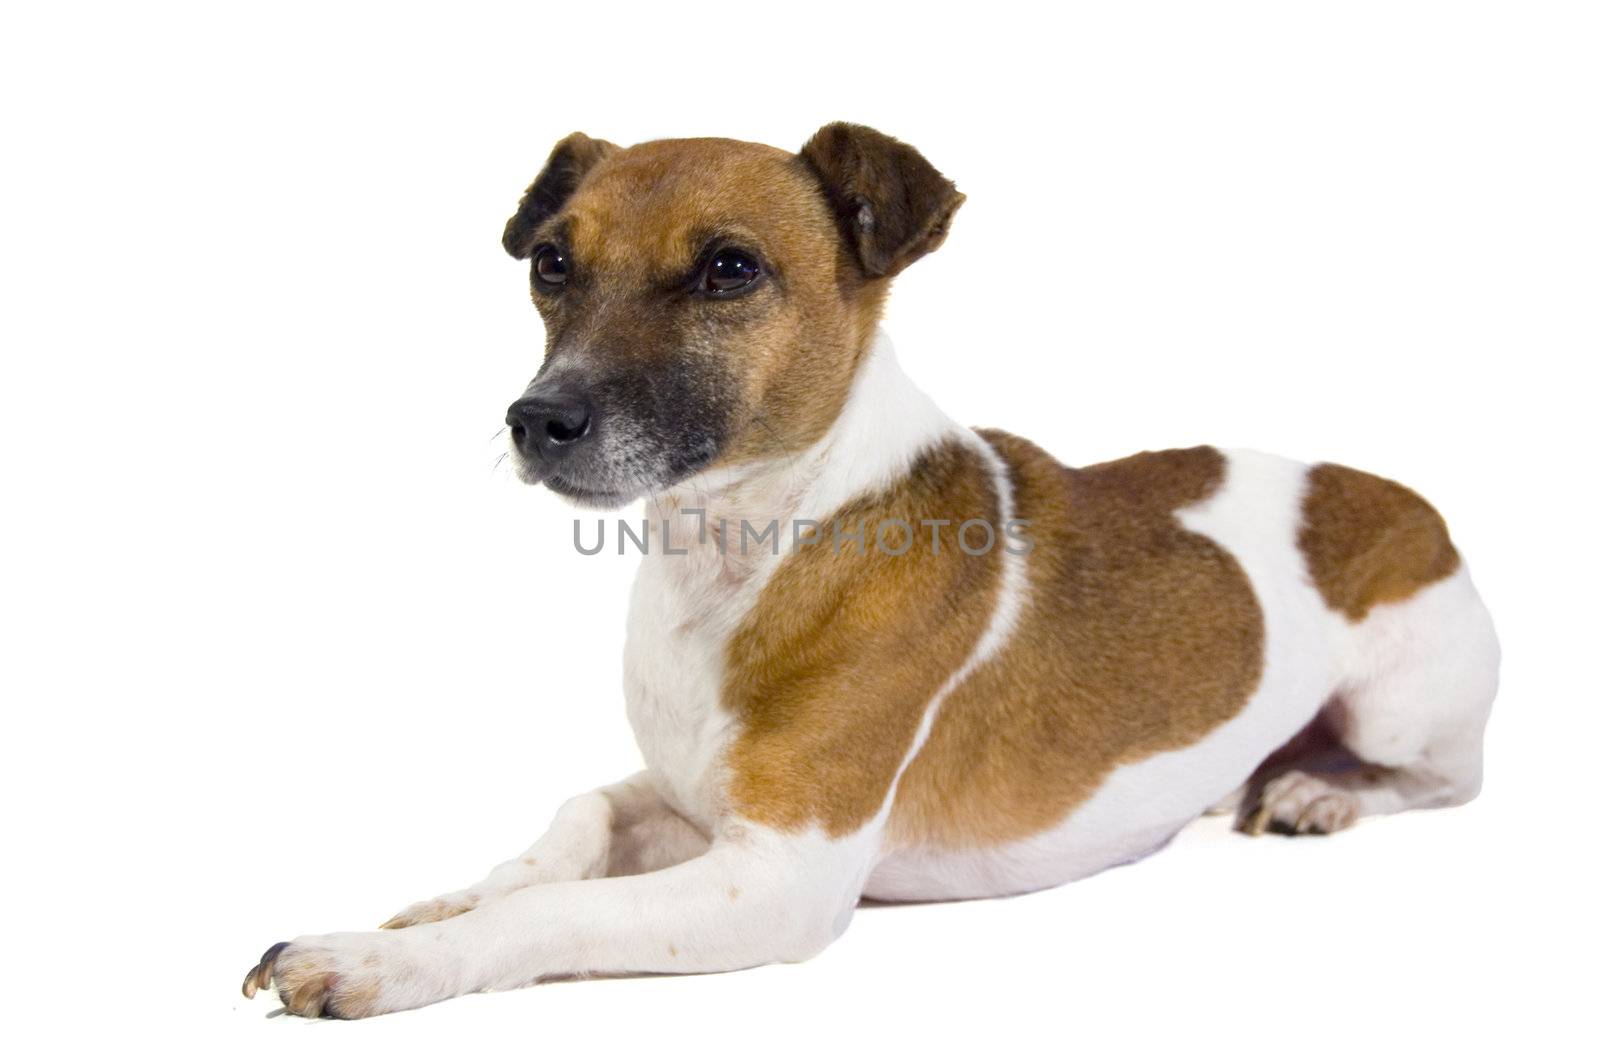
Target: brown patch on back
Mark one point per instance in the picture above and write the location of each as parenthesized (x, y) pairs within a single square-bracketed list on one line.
[(1138, 636), (831, 671), (1368, 541)]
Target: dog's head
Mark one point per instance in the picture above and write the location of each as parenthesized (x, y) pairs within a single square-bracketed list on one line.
[(706, 302)]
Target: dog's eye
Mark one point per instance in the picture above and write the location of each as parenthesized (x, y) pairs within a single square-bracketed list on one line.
[(550, 266), (730, 270)]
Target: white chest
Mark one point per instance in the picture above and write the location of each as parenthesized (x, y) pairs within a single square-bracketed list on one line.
[(683, 611), (687, 606)]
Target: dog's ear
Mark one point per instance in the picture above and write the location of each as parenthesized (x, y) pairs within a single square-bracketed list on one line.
[(573, 157), (893, 206)]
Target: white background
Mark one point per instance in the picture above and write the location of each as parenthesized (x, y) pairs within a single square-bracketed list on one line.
[(284, 652)]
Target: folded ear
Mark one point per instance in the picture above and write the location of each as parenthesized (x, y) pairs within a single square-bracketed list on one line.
[(573, 157), (893, 206)]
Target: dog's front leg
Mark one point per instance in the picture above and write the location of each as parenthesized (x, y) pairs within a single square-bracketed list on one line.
[(621, 829), (754, 897)]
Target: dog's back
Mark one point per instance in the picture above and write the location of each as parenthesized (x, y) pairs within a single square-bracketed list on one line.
[(1188, 613)]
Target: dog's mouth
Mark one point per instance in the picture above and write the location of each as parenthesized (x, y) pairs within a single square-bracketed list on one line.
[(651, 478), (582, 495)]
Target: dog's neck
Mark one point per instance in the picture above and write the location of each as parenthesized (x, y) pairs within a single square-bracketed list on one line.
[(885, 424)]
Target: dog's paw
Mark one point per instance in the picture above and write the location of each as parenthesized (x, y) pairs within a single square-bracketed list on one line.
[(1298, 803), (433, 910), (343, 976)]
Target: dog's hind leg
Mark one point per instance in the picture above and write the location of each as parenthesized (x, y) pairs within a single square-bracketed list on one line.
[(623, 829), (1419, 679)]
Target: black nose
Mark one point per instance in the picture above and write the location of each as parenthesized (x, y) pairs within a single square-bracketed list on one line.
[(545, 424)]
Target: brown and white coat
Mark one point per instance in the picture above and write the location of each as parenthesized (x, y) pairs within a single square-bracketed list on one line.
[(914, 719)]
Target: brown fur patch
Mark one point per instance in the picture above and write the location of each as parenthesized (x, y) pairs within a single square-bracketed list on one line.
[(1138, 636), (1367, 540), (831, 671)]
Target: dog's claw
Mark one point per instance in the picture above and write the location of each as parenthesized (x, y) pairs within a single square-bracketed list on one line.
[(1259, 820), (260, 977)]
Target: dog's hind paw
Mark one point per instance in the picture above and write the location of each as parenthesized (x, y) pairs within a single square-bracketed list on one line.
[(1298, 803)]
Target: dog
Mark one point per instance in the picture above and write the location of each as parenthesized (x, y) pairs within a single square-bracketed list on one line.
[(962, 669)]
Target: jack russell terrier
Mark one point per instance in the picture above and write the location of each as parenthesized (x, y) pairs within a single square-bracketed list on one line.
[(902, 703)]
